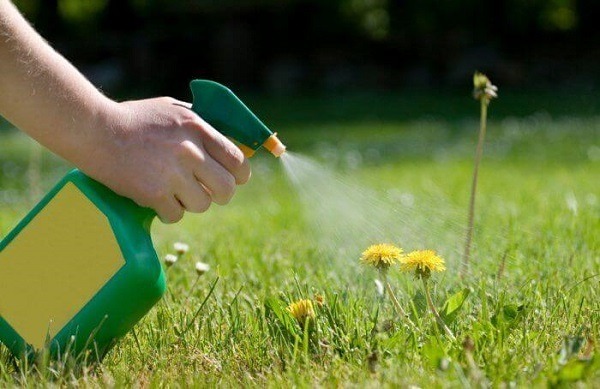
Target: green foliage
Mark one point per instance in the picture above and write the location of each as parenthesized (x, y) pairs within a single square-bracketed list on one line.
[(77, 11), (453, 305), (538, 325), (576, 361), (371, 15)]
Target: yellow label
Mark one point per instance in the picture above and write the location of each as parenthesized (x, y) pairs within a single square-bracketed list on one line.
[(55, 265)]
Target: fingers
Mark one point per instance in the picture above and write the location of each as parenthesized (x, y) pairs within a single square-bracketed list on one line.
[(208, 166), (226, 153), (169, 210), (221, 149), (214, 177), (193, 196), (207, 173)]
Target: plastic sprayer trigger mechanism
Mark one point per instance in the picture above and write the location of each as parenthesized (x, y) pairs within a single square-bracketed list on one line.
[(217, 105)]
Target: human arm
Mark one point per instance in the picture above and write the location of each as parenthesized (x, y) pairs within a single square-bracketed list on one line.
[(156, 151)]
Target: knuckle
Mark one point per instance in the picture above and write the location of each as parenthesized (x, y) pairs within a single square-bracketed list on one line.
[(182, 118), (167, 99), (188, 119), (187, 149), (187, 146), (191, 117)]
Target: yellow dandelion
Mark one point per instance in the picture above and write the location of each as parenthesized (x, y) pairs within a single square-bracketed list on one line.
[(302, 310), (381, 256), (423, 262)]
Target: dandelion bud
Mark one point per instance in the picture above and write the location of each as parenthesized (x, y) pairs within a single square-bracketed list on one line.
[(181, 248), (483, 88), (480, 80), (468, 344), (319, 300), (170, 260), (202, 268)]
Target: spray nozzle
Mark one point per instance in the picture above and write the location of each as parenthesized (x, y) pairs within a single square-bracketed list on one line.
[(274, 145), (230, 116)]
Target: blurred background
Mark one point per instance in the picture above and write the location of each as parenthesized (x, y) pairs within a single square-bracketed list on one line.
[(291, 47), (355, 82)]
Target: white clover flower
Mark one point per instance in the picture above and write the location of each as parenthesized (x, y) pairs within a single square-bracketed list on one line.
[(170, 259), (181, 248), (202, 268)]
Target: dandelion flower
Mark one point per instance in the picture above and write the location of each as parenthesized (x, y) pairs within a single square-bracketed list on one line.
[(202, 268), (170, 260), (423, 262), (302, 310), (181, 248), (381, 256)]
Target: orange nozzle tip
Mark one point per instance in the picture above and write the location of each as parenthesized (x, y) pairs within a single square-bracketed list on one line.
[(274, 145)]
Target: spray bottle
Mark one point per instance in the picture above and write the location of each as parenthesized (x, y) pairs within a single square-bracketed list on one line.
[(80, 270)]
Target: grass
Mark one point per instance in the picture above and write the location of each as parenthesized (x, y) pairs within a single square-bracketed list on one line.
[(531, 310)]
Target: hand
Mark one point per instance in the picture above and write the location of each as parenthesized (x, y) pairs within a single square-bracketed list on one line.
[(162, 155), (157, 152)]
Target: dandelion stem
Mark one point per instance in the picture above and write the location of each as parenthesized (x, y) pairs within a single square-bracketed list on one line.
[(435, 312), (478, 154), (399, 310)]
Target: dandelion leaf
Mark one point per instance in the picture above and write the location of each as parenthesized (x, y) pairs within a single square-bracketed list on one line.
[(280, 319), (507, 315), (453, 305), (434, 352), (574, 370), (419, 302)]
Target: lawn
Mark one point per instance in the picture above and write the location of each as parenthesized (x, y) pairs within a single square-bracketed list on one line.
[(392, 168)]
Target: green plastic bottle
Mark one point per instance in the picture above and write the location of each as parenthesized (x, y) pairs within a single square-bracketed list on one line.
[(80, 270)]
